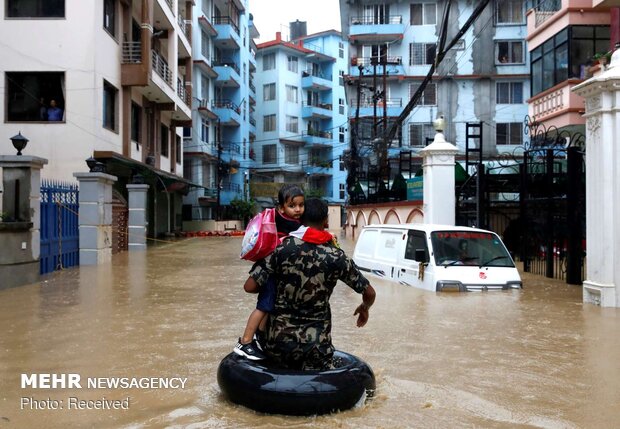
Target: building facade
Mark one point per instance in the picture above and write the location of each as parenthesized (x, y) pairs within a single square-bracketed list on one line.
[(302, 115), (483, 79), (218, 147), (109, 80)]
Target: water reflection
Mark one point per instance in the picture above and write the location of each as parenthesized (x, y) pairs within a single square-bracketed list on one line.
[(530, 358)]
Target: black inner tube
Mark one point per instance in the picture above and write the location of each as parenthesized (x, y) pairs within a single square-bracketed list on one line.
[(264, 387)]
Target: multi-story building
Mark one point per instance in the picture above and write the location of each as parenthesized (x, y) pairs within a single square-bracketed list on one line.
[(563, 37), (483, 79), (301, 135), (107, 79), (218, 147)]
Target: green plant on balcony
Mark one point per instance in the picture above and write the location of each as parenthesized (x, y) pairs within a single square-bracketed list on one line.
[(602, 58), (313, 193)]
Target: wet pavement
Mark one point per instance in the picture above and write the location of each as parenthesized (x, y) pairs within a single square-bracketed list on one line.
[(531, 358)]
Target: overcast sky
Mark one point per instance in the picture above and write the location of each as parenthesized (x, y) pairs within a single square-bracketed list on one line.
[(274, 15)]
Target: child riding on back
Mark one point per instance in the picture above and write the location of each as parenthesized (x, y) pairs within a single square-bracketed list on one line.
[(287, 219)]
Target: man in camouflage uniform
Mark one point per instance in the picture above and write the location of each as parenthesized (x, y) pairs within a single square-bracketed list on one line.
[(306, 267)]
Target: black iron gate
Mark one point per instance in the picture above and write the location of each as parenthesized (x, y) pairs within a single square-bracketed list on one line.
[(534, 198)]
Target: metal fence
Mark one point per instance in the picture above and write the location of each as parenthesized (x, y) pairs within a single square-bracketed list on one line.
[(59, 226)]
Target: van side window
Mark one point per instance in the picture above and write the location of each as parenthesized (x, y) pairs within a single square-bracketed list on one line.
[(416, 244)]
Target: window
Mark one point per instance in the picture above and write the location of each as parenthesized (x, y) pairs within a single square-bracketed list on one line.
[(422, 53), (269, 62), (416, 242), (187, 132), (204, 45), (293, 64), (341, 77), (35, 9), (204, 88), (509, 93), (29, 96), (291, 155), (377, 14), (423, 14), (292, 124), (341, 106), (566, 55), (269, 123), (136, 122), (292, 94), (429, 96), (204, 131), (165, 136), (509, 12), (509, 134), (110, 106), (269, 92), (341, 49), (177, 149), (270, 155), (109, 16), (341, 134), (509, 52), (341, 188), (419, 132)]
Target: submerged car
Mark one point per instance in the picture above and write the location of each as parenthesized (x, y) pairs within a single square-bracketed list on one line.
[(437, 257)]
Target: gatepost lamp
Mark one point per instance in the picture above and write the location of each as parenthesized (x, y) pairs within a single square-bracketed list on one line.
[(19, 142), (95, 166)]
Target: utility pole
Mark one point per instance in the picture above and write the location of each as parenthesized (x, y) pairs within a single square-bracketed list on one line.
[(353, 156), (218, 171)]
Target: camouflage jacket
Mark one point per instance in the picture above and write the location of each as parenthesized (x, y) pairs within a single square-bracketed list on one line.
[(299, 329)]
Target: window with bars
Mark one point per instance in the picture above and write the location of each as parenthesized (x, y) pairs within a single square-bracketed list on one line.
[(269, 91), (270, 154), (509, 52), (293, 64), (509, 12), (110, 106), (292, 94), (291, 155), (419, 132), (269, 123), (341, 106), (341, 134), (341, 49), (429, 96), (165, 141), (269, 62), (510, 133), (341, 77), (204, 132), (341, 188), (423, 14), (292, 124), (509, 93), (422, 53), (136, 122)]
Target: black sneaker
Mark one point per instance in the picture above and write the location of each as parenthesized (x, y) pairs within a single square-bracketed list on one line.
[(250, 351), (258, 340)]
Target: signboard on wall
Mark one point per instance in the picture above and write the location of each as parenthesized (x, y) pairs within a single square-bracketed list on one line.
[(415, 190)]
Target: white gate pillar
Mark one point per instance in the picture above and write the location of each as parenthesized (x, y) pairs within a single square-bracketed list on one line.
[(602, 95), (438, 166)]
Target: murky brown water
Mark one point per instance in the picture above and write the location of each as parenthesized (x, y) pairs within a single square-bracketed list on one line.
[(530, 358)]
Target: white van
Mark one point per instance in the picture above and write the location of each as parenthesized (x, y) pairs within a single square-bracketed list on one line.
[(437, 257)]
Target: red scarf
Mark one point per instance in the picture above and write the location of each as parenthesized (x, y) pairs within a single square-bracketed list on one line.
[(312, 235)]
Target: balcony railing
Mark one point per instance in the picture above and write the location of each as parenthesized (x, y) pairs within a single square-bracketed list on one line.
[(132, 53), (379, 61), (225, 104), (252, 87), (230, 187), (182, 91), (327, 106), (390, 102), (183, 25), (231, 64), (253, 121), (545, 9), (318, 133), (376, 20), (210, 192), (224, 20), (234, 148), (160, 66), (169, 4)]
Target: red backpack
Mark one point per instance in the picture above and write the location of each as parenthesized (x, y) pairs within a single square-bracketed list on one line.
[(261, 236)]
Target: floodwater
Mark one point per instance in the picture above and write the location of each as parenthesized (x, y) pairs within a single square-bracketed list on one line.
[(531, 358)]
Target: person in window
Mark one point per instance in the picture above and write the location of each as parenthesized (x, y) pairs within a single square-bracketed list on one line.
[(503, 59), (42, 110), (54, 113)]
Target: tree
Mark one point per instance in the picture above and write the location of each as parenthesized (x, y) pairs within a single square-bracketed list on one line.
[(243, 209)]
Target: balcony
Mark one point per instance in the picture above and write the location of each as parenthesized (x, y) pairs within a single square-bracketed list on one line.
[(160, 67), (206, 68), (205, 24), (228, 74), (252, 125), (367, 108), (369, 30), (314, 138), (183, 92), (228, 112), (544, 10), (317, 110), (393, 66), (252, 87), (203, 109), (558, 106), (227, 33), (318, 83)]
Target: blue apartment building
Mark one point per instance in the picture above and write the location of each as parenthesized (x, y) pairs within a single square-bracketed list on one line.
[(483, 79), (217, 148), (302, 117)]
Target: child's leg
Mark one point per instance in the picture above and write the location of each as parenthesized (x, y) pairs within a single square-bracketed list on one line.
[(254, 321), (263, 323)]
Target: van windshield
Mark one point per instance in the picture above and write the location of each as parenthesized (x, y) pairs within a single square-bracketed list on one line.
[(469, 248)]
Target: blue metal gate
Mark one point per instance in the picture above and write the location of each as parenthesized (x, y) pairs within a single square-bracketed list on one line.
[(59, 226)]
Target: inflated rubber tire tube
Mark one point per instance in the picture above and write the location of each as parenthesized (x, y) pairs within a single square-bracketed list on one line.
[(263, 387)]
